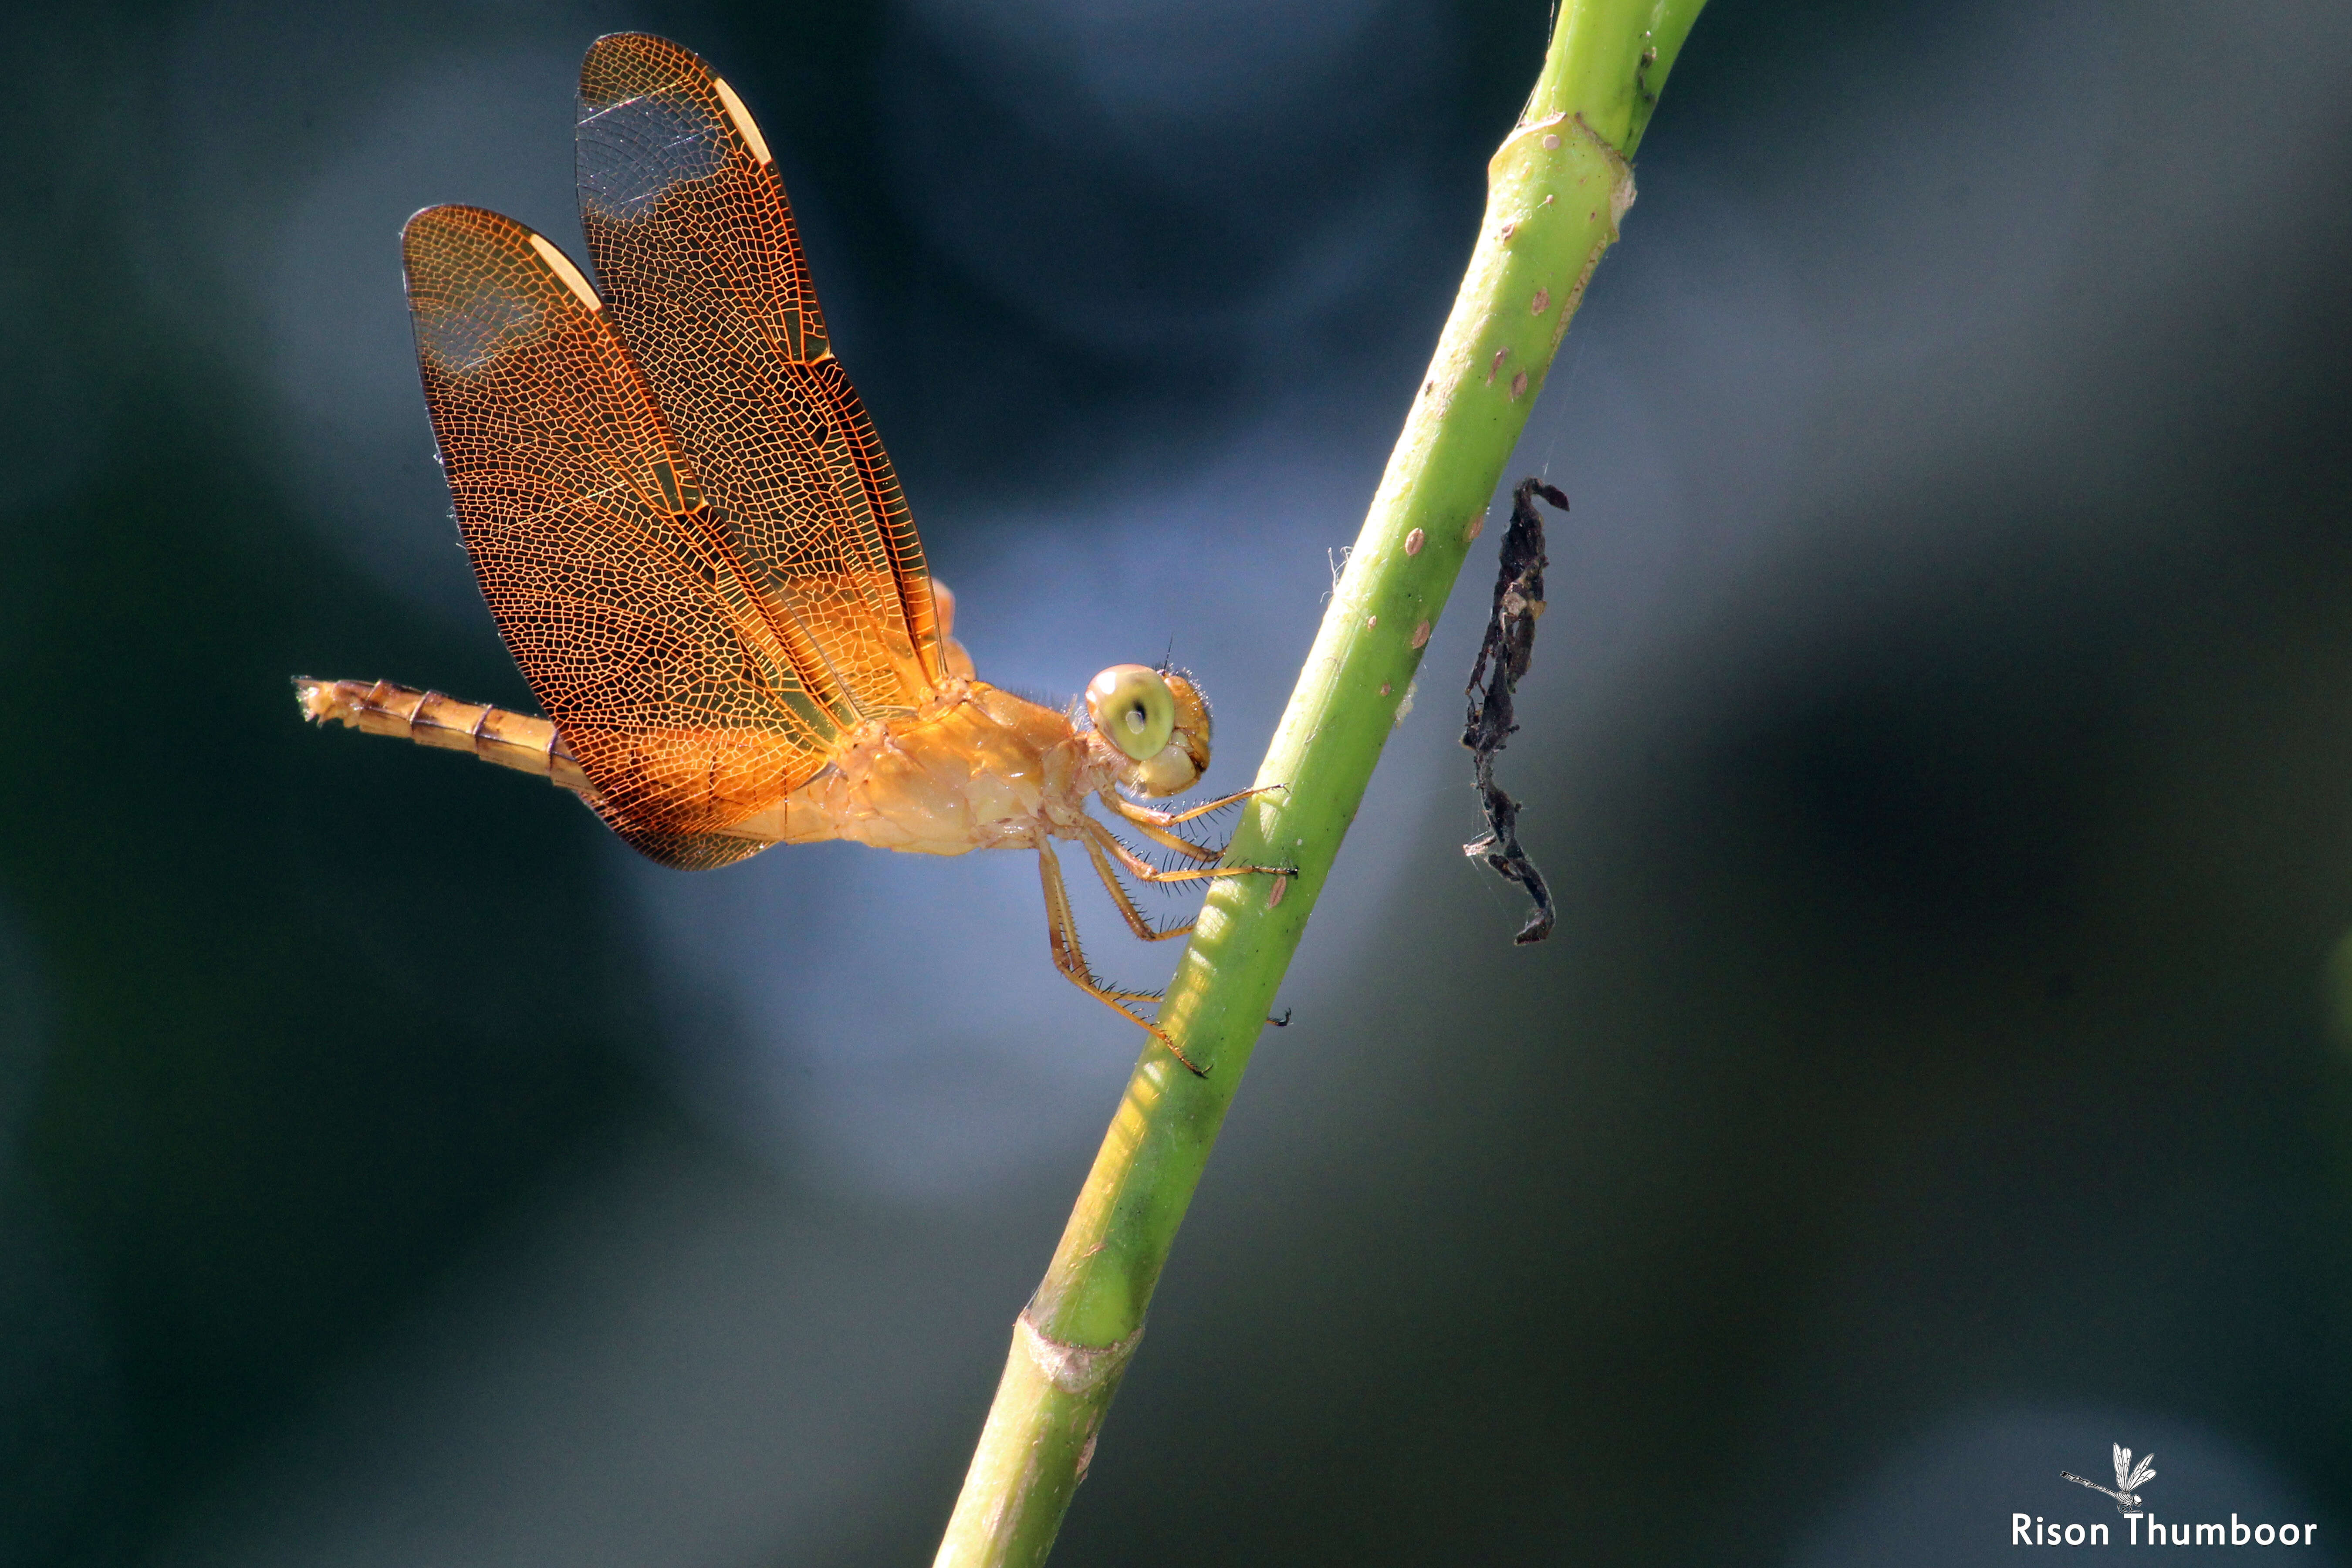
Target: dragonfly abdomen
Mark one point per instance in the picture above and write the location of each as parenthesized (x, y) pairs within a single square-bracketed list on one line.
[(499, 735)]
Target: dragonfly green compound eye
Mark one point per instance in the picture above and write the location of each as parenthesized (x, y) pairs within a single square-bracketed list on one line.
[(1133, 706)]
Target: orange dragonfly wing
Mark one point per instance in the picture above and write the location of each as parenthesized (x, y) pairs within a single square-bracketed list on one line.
[(688, 701), (701, 269)]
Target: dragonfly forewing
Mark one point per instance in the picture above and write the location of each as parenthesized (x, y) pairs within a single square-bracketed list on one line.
[(701, 266)]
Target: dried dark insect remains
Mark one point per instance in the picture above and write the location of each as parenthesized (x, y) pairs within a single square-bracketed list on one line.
[(1501, 660)]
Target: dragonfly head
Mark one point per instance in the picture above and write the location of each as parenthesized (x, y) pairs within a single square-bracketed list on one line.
[(1156, 725)]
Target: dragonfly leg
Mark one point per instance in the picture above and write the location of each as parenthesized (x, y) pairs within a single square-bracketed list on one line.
[(1138, 867), (1203, 853), (1127, 906), (1145, 816), (1136, 920), (1062, 937)]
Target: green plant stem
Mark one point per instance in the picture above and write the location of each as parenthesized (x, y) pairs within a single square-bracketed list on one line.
[(1555, 189)]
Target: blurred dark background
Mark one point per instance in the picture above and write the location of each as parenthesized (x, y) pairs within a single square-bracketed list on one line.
[(1941, 742)]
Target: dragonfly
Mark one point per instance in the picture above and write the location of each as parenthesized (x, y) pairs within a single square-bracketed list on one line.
[(702, 562), (2129, 1479)]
